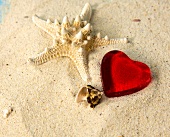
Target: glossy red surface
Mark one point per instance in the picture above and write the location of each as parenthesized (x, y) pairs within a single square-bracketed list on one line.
[(122, 76)]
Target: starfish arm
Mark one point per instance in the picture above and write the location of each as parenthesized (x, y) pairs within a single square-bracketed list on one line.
[(80, 60), (78, 56), (46, 26), (98, 42), (46, 55)]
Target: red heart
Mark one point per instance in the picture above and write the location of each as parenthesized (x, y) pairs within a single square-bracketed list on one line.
[(123, 76)]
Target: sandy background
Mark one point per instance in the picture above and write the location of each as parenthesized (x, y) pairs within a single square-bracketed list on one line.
[(43, 96)]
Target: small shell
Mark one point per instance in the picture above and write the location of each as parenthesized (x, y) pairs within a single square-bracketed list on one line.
[(7, 112), (82, 95), (89, 94)]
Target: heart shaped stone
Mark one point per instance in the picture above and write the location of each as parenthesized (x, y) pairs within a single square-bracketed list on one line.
[(121, 75)]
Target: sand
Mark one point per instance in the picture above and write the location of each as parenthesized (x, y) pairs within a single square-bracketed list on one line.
[(43, 97)]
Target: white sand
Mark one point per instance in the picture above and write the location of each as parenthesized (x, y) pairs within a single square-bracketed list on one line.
[(43, 96)]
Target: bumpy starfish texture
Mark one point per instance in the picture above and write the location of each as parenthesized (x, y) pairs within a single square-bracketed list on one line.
[(73, 40)]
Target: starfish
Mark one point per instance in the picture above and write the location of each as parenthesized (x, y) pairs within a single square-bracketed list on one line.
[(73, 40)]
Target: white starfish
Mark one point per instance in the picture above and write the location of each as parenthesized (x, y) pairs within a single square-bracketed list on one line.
[(73, 40)]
